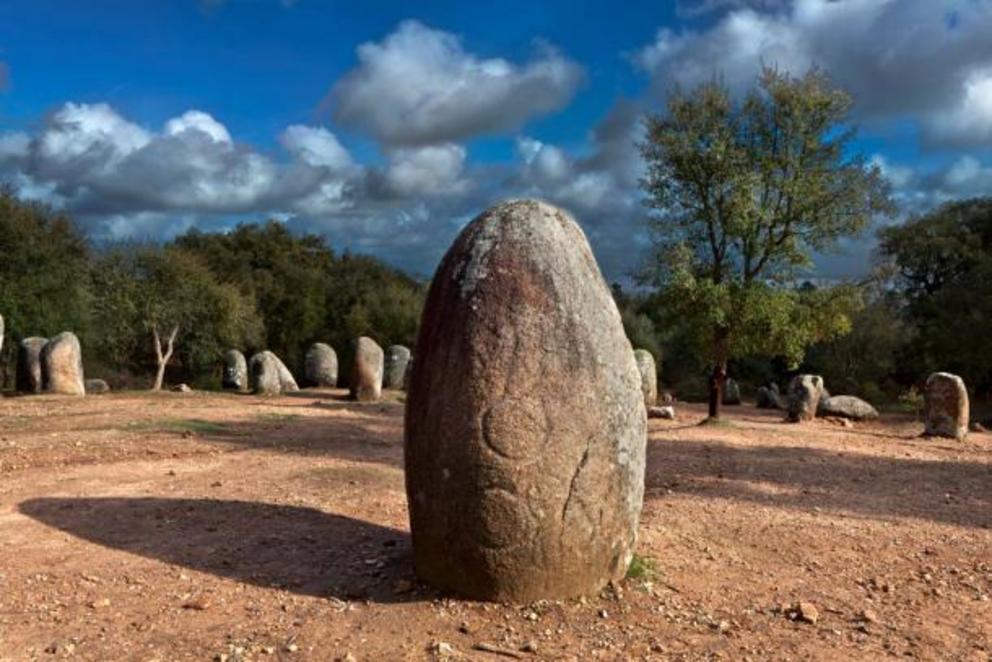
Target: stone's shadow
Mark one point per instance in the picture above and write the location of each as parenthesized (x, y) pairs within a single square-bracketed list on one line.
[(941, 491), (301, 550)]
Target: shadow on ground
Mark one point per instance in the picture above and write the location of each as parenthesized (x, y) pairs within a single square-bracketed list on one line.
[(943, 491), (302, 550)]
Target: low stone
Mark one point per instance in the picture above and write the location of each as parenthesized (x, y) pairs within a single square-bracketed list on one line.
[(181, 388), (804, 397), (946, 406), (807, 612), (29, 365), (321, 366), (731, 392), (649, 376), (769, 398), (667, 413), (235, 371), (847, 406), (269, 375), (97, 387), (62, 365), (395, 371)]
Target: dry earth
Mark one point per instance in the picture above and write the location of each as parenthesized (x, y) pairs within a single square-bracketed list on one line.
[(209, 526)]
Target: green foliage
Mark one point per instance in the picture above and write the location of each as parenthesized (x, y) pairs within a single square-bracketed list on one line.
[(743, 194)]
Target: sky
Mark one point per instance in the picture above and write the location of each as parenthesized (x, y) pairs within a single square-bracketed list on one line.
[(387, 126)]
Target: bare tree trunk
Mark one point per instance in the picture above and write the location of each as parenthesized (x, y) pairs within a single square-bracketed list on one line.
[(163, 357), (717, 379)]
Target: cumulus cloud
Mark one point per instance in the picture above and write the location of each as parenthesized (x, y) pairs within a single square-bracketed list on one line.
[(419, 86), (927, 60), (426, 170)]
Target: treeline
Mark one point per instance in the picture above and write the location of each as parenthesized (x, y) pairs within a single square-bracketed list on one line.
[(257, 287), (925, 307)]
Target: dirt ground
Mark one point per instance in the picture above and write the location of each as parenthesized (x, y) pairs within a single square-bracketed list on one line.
[(223, 527)]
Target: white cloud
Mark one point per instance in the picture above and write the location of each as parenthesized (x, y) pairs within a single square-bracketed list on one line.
[(928, 60), (426, 170), (316, 146), (195, 120), (419, 86)]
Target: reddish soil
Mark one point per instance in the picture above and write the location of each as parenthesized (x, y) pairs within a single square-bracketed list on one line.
[(209, 526)]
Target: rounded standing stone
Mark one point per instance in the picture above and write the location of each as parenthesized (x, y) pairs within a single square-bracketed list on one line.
[(804, 397), (525, 423), (269, 375), (366, 371), (946, 405), (397, 359), (97, 387), (649, 376), (62, 365), (235, 371), (29, 365), (321, 366), (731, 392)]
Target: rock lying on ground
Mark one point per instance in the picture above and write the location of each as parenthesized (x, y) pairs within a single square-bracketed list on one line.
[(524, 467), (649, 376), (946, 406), (29, 365), (181, 388), (321, 366), (804, 397), (235, 371), (397, 359), (62, 365), (731, 392), (846, 406), (366, 371), (269, 375), (667, 413), (768, 397), (96, 387)]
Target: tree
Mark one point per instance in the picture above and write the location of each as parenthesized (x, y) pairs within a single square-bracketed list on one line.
[(743, 193)]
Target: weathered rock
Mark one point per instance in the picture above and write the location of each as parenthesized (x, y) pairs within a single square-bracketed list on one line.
[(269, 375), (649, 376), (525, 422), (62, 365), (29, 365), (804, 396), (667, 413), (96, 387), (769, 398), (321, 366), (846, 406), (181, 388), (397, 359), (235, 371), (366, 371), (946, 406), (731, 392)]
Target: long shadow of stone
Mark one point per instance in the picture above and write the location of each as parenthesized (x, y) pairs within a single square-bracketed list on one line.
[(302, 550), (942, 491)]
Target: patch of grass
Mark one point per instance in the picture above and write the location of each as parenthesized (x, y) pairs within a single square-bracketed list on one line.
[(717, 422), (275, 417), (180, 425), (642, 568)]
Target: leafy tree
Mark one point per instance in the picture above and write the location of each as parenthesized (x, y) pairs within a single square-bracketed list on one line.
[(743, 194)]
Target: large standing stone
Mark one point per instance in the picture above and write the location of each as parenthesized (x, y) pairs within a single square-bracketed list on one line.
[(946, 406), (235, 371), (731, 392), (397, 360), (649, 376), (525, 422), (846, 406), (321, 366), (804, 397), (269, 375), (29, 365), (62, 365), (366, 371)]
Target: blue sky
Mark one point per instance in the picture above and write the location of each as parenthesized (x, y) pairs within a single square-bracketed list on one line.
[(386, 126)]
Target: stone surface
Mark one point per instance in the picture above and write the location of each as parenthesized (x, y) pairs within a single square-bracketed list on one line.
[(29, 365), (96, 387), (804, 397), (235, 371), (731, 392), (525, 421), (62, 365), (321, 366), (667, 412), (649, 376), (394, 374), (946, 406), (269, 375), (768, 397), (181, 388), (846, 406), (365, 380)]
